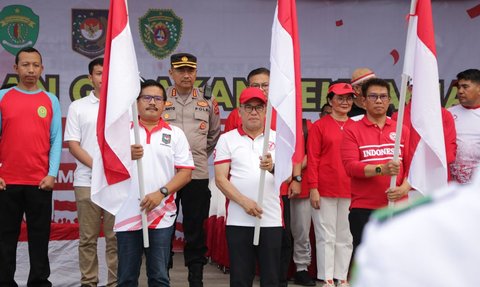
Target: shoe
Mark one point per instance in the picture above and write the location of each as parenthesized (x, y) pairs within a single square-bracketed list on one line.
[(343, 283), (304, 279), (328, 283), (195, 275)]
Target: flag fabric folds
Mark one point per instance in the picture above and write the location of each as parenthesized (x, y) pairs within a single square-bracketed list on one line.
[(285, 89), (428, 167), (120, 87)]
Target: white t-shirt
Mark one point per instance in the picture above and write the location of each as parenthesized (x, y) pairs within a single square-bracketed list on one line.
[(243, 152), (81, 126), (468, 142), (165, 149), (435, 244)]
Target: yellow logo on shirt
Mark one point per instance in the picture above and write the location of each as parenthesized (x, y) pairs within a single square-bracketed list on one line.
[(42, 112)]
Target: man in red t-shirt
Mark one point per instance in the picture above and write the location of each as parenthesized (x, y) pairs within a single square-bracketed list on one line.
[(367, 152)]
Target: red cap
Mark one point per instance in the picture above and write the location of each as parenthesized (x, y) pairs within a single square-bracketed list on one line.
[(252, 93), (341, 89)]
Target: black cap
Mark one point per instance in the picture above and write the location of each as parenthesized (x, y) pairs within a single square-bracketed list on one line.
[(183, 60)]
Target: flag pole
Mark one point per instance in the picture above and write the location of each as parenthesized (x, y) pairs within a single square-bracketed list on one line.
[(261, 185), (141, 184), (407, 71)]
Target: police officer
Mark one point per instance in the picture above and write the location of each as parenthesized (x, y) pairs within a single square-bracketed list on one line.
[(198, 116)]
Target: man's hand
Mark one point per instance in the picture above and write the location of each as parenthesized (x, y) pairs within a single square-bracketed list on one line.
[(137, 151), (267, 163), (294, 188), (47, 183), (391, 168), (251, 208), (396, 193), (3, 185), (151, 201), (315, 198)]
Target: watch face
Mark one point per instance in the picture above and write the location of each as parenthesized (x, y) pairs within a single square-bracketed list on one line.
[(164, 191), (298, 178), (378, 170)]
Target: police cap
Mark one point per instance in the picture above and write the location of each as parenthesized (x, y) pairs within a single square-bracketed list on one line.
[(183, 60)]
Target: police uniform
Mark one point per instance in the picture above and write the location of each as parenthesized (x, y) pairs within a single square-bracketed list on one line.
[(198, 117), (433, 243)]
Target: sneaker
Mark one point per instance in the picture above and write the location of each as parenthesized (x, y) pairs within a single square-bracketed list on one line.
[(328, 283), (343, 283), (302, 278)]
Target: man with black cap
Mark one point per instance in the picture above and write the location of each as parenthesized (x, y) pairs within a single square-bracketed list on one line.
[(198, 116)]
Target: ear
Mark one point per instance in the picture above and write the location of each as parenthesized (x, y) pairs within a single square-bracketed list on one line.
[(170, 72)]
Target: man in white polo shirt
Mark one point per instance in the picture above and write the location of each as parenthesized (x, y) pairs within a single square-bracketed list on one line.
[(168, 165), (80, 134), (238, 164), (466, 117)]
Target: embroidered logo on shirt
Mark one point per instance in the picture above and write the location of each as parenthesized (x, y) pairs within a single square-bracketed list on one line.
[(42, 112), (202, 104), (203, 125), (392, 136), (166, 138)]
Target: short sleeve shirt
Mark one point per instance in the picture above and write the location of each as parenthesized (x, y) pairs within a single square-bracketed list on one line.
[(165, 149), (243, 152)]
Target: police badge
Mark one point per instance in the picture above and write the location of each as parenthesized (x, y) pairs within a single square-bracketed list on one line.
[(160, 31), (89, 27), (19, 28)]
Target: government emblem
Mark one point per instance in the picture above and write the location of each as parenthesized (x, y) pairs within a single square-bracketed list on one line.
[(166, 138), (19, 28), (160, 31), (89, 27)]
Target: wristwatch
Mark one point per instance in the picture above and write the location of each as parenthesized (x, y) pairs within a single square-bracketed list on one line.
[(164, 191), (297, 178), (378, 169)]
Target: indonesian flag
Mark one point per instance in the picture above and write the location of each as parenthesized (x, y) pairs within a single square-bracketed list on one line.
[(120, 87), (428, 169), (285, 89)]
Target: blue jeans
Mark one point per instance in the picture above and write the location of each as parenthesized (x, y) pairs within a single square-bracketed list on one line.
[(130, 250)]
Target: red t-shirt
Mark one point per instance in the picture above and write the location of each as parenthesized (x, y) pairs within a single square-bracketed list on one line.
[(365, 143)]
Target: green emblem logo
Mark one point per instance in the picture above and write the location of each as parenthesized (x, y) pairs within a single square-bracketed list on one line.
[(18, 28), (160, 31), (42, 111)]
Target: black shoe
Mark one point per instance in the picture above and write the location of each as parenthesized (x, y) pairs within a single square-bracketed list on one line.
[(304, 279)]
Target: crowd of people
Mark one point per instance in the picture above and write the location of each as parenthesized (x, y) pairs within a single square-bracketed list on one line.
[(343, 179)]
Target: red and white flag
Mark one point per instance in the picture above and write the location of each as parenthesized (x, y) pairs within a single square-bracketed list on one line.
[(428, 169), (285, 91), (120, 87)]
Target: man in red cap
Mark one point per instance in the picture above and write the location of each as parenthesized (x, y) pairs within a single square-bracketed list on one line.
[(238, 164)]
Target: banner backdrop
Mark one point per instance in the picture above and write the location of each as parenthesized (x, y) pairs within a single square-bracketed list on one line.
[(230, 38)]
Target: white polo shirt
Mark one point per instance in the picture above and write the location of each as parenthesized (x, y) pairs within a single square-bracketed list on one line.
[(81, 126), (468, 142), (165, 149), (243, 152)]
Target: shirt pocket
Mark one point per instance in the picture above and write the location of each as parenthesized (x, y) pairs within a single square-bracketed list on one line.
[(202, 120)]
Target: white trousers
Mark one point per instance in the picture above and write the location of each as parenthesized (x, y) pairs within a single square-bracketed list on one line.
[(333, 238), (300, 222)]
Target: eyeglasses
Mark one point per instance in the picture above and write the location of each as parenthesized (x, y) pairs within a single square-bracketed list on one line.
[(260, 85), (375, 97), (250, 108), (343, 99), (148, 98)]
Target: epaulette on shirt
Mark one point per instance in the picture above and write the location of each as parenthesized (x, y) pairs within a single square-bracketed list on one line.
[(382, 215)]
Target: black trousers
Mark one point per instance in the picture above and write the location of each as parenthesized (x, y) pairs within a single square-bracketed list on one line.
[(37, 206), (358, 218), (195, 200), (244, 255), (287, 243)]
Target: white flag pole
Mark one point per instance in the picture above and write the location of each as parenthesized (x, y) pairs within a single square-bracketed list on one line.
[(141, 183), (406, 73), (261, 185)]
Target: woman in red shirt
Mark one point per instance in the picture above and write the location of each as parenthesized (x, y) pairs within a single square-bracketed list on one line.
[(330, 188)]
